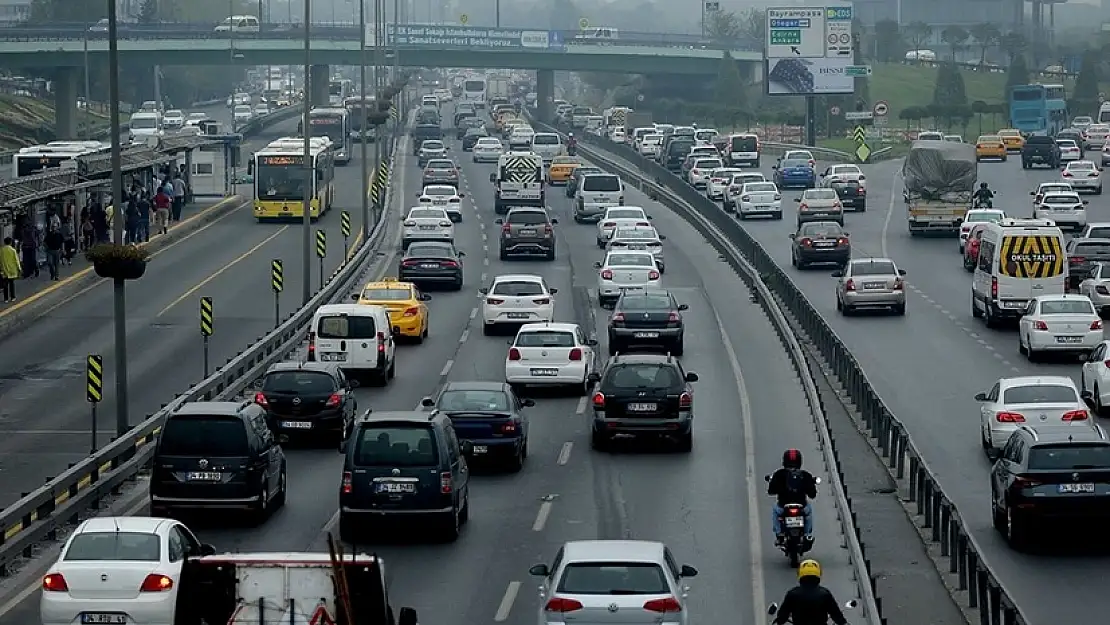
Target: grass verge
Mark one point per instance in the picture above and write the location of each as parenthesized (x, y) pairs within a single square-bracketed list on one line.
[(28, 121)]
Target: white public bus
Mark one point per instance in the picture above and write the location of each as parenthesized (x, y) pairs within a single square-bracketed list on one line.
[(37, 159), (335, 124), (474, 92)]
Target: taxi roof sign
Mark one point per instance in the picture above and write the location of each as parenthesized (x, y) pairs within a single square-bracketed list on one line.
[(389, 279)]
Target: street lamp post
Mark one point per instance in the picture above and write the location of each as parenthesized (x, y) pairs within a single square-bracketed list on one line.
[(88, 105), (119, 305), (365, 166), (309, 174), (498, 13), (379, 82)]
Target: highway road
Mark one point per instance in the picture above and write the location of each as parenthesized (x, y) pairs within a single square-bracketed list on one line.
[(708, 506), (228, 260), (929, 365)]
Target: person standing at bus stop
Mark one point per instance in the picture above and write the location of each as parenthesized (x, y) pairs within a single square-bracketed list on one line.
[(10, 269), (178, 196)]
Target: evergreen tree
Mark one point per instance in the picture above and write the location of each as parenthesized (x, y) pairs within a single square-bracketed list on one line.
[(730, 85), (1085, 93), (1017, 74)]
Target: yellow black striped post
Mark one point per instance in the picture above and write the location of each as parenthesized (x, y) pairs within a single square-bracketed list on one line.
[(321, 252), (94, 388), (277, 283), (207, 327), (345, 224), (381, 182)]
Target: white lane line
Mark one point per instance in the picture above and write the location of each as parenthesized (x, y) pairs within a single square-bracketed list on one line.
[(483, 277), (581, 407), (474, 311), (541, 517), (564, 453), (446, 368), (484, 236), (485, 261), (485, 248), (465, 335), (889, 216), (507, 602)]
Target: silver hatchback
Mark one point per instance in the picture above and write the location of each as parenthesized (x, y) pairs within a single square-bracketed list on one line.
[(870, 283)]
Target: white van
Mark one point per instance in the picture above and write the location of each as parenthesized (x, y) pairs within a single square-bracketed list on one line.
[(238, 24), (1103, 113), (597, 192), (1019, 259), (357, 336)]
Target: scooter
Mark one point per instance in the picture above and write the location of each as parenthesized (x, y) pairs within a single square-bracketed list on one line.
[(981, 203), (773, 609), (793, 523)]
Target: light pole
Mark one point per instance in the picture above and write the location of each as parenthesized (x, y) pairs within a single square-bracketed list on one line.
[(88, 105), (498, 13), (309, 174), (365, 166), (119, 305), (379, 83)]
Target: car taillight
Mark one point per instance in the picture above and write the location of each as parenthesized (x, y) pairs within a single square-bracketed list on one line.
[(850, 285), (454, 200), (673, 317), (506, 229), (685, 401), (311, 346), (1024, 482), (806, 242), (643, 224), (653, 275), (347, 483), (861, 190), (547, 229), (54, 582), (333, 400), (410, 263), (1075, 260), (494, 302), (445, 224), (777, 197), (514, 353), (899, 284), (609, 224), (411, 312), (606, 275), (543, 301), (1096, 325), (410, 223), (979, 145), (842, 241), (599, 401), (837, 205), (1075, 415), (745, 198), (449, 264), (260, 399), (1067, 174), (812, 163), (695, 171), (803, 206), (510, 427), (576, 354), (618, 317), (558, 604), (1040, 325), (446, 484), (156, 583), (670, 604), (994, 288), (965, 229), (381, 342), (1009, 417)]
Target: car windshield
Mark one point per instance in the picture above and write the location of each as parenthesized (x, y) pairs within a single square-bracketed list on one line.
[(1069, 457), (386, 294), (646, 301), (873, 268), (544, 338), (790, 163), (846, 170), (707, 163), (1098, 232), (346, 327), (989, 139), (1067, 143), (630, 260), (613, 578), (979, 217), (396, 446), (440, 164), (432, 145), (642, 375), (651, 139), (546, 139), (760, 187), (601, 183), (1099, 248), (821, 229), (1081, 165), (299, 382), (439, 191), (1040, 394), (207, 437), (819, 194), (1069, 200), (1098, 128), (564, 160), (743, 179), (425, 250), (151, 122), (426, 214), (115, 546), (473, 400), (527, 218), (1067, 307), (489, 143), (624, 213), (517, 288)]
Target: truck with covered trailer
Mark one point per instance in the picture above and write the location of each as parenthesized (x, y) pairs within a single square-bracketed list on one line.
[(939, 180)]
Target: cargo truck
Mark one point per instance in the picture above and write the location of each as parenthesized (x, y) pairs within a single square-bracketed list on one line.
[(497, 87), (939, 180)]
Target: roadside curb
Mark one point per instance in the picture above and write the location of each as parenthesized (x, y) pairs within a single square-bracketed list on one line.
[(43, 302)]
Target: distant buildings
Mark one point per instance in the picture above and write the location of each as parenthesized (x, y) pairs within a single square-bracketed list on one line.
[(14, 11), (940, 13)]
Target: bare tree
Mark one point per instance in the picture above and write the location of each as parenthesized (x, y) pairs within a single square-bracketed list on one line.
[(985, 36), (918, 33), (722, 25)]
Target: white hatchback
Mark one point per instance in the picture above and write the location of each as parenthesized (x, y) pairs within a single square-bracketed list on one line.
[(427, 224), (620, 217), (1064, 323), (488, 150), (1066, 210), (1069, 150), (515, 299), (1054, 400), (759, 199), (444, 196), (551, 354), (1083, 176), (625, 271)]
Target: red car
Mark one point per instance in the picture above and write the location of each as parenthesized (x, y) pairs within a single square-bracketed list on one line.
[(971, 247)]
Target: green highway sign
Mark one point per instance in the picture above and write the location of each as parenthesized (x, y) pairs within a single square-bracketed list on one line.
[(856, 71), (786, 37)]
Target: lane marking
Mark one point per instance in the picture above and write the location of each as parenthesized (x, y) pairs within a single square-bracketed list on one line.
[(581, 407), (482, 279), (217, 274), (564, 453), (507, 602), (446, 368), (485, 237), (485, 248), (889, 215), (485, 261), (474, 311), (541, 517), (465, 336)]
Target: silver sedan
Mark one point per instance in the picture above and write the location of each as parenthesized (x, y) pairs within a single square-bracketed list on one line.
[(870, 283)]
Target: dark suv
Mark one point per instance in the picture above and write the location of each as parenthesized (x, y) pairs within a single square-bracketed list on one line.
[(1050, 474), (307, 399), (527, 231), (1039, 150), (643, 395), (217, 455), (648, 318), (404, 465)]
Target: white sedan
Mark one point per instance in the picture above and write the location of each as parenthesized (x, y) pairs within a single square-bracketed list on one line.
[(620, 217), (551, 354), (1083, 176), (488, 150), (639, 238), (1095, 378), (444, 196), (1066, 210), (758, 199), (1043, 401), (736, 187), (844, 173), (1097, 287), (719, 180), (118, 570), (516, 299), (427, 224), (623, 271), (1069, 150), (698, 176), (1065, 323), (800, 155)]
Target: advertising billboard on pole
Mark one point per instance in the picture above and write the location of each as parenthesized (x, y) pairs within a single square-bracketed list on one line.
[(808, 50)]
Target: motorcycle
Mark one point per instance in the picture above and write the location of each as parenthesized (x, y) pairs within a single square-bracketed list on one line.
[(793, 523), (773, 609), (572, 150), (981, 203)]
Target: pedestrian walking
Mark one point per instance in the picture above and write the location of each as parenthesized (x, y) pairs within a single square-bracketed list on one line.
[(54, 244), (162, 203), (10, 269), (69, 239), (144, 216), (178, 197)]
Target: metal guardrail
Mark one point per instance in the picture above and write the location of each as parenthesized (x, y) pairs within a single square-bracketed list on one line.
[(966, 559), (38, 515)]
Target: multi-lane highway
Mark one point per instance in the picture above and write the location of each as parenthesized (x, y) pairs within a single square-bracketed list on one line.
[(708, 506), (45, 421)]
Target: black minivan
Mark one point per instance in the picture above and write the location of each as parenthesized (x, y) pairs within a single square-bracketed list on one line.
[(403, 466), (217, 455)]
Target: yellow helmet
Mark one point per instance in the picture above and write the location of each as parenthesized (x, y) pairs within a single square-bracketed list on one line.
[(809, 568)]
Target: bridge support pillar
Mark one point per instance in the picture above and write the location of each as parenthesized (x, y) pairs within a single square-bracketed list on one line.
[(319, 79), (65, 104), (545, 94)]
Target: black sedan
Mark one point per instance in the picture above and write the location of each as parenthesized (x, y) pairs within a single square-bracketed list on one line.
[(467, 124), (471, 137), (432, 262), (650, 318), (490, 416), (304, 399), (818, 242)]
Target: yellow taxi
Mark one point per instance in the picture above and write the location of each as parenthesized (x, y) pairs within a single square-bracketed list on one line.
[(1012, 138), (408, 311), (561, 169), (990, 146)]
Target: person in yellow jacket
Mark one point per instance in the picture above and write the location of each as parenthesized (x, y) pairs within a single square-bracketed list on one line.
[(10, 269)]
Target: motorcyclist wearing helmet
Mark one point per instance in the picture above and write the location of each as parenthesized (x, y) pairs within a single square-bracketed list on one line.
[(809, 603), (983, 195), (792, 484), (572, 144)]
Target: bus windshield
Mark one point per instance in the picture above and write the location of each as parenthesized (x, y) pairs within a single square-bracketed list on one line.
[(328, 125), (279, 178)]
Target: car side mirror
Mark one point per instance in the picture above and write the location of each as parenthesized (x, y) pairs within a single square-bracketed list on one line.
[(466, 447), (1087, 395), (774, 166), (460, 254), (1032, 193), (499, 221), (773, 609), (688, 571), (593, 378), (1085, 202), (424, 297), (528, 403), (792, 236), (901, 272), (863, 177), (407, 617), (462, 195), (342, 447), (418, 194), (493, 177), (207, 550), (650, 217), (838, 274), (691, 377), (683, 307), (354, 297), (553, 291), (554, 220), (980, 397), (483, 291), (662, 237), (597, 264), (539, 570), (994, 454)]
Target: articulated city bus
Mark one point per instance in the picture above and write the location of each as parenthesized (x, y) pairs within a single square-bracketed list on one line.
[(279, 179), (335, 124)]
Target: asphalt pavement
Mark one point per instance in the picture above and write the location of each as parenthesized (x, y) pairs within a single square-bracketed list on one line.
[(45, 422)]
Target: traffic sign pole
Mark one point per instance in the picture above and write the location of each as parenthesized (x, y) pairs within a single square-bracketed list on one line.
[(345, 226), (206, 327), (94, 388), (321, 252), (277, 284)]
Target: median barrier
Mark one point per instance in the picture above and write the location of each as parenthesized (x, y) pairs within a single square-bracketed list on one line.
[(926, 499)]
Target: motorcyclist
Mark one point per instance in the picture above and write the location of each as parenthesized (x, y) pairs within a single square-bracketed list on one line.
[(792, 484), (809, 603), (572, 144), (983, 196)]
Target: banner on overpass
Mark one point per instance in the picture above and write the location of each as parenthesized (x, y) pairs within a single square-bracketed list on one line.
[(472, 37)]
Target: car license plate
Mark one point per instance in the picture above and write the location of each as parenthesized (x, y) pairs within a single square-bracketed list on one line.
[(874, 285), (795, 521), (333, 357), (824, 244), (101, 617), (1069, 339), (642, 407), (646, 335), (527, 233), (480, 449), (396, 487), (427, 227), (545, 372), (636, 247), (1076, 488), (517, 315), (202, 476), (297, 425), (429, 266)]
